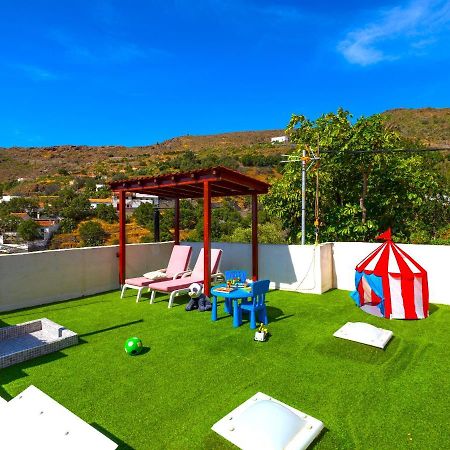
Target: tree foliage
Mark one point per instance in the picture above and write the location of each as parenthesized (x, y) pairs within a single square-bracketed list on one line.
[(92, 234), (28, 230), (106, 213), (144, 214), (362, 190)]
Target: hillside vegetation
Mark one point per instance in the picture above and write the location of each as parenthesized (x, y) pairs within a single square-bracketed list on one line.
[(431, 126), (62, 179)]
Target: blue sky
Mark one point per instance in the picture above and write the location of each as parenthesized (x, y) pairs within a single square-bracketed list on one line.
[(137, 72)]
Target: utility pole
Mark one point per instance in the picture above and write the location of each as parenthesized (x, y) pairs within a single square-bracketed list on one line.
[(304, 159), (303, 195)]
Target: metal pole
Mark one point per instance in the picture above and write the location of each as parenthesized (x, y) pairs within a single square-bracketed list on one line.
[(303, 195), (176, 237), (156, 233)]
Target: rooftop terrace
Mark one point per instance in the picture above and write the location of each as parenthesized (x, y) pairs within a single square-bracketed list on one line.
[(193, 371)]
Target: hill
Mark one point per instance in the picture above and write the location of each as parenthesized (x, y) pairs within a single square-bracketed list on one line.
[(34, 162), (242, 150), (431, 126)]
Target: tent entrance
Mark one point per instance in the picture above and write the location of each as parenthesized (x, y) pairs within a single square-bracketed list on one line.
[(369, 293)]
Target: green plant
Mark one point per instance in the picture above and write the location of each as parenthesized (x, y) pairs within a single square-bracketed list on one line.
[(28, 230), (106, 213), (92, 234)]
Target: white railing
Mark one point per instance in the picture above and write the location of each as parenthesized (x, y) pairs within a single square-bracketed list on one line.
[(29, 279)]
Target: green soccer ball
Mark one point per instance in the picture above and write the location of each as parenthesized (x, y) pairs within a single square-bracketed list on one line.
[(133, 346)]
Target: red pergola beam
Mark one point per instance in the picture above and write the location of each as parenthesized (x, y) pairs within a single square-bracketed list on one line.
[(206, 238), (206, 183), (122, 237)]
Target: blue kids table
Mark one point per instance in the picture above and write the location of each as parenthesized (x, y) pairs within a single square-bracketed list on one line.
[(234, 296)]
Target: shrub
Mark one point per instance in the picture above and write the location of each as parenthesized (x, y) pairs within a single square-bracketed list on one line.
[(92, 234), (106, 213), (67, 225), (28, 230)]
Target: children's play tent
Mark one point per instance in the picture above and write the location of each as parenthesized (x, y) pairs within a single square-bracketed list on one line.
[(392, 281)]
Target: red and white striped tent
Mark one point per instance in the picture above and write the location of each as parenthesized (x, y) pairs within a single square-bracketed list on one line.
[(392, 281)]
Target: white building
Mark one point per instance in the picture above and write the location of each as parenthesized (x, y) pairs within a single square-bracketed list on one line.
[(7, 198), (279, 140), (100, 201), (133, 201)]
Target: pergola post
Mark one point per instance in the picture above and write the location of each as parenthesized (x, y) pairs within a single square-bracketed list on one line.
[(207, 237), (254, 236), (177, 222), (122, 238)]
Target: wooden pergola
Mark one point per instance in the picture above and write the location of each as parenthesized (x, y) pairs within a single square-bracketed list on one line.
[(203, 183)]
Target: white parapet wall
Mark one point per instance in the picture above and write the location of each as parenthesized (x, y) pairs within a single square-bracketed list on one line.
[(435, 259), (28, 279), (290, 267)]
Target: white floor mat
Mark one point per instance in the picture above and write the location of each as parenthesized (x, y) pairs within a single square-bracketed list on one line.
[(262, 422), (364, 333)]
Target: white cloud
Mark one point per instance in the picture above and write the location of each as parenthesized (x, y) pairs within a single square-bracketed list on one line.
[(397, 32), (36, 73), (105, 50)]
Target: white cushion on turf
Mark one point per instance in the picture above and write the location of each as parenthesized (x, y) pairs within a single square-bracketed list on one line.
[(364, 333)]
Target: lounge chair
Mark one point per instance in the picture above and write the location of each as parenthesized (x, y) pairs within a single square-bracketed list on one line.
[(178, 263), (181, 285)]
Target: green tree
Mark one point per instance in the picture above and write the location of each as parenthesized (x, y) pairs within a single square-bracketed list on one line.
[(268, 233), (90, 187), (9, 223), (28, 230), (106, 213), (92, 234), (67, 225), (21, 204), (72, 205), (362, 190), (143, 215)]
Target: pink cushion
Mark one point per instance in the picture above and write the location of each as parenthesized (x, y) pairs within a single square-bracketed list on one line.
[(179, 259), (138, 282), (173, 285), (216, 254)]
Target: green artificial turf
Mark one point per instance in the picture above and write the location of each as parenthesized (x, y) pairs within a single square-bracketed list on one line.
[(194, 371)]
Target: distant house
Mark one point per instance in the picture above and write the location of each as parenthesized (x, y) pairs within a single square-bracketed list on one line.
[(21, 215), (7, 198), (133, 201), (47, 227), (279, 140), (100, 201)]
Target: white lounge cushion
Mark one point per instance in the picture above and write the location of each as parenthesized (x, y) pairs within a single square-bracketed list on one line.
[(155, 275)]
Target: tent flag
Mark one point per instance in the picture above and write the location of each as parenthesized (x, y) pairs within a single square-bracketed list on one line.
[(393, 281)]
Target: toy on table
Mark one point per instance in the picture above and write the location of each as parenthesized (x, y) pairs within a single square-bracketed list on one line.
[(261, 333), (133, 346), (198, 299)]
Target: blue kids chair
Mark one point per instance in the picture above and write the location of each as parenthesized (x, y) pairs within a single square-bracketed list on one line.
[(257, 304), (241, 275)]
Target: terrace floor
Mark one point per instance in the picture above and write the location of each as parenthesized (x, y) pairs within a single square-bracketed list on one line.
[(193, 371)]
